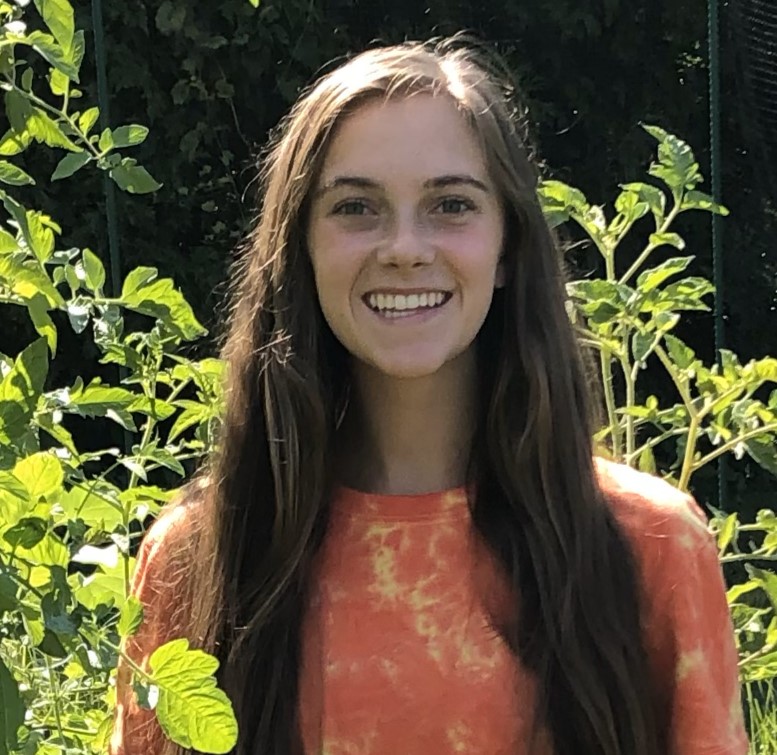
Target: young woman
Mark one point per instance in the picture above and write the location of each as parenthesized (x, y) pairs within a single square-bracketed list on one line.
[(404, 543)]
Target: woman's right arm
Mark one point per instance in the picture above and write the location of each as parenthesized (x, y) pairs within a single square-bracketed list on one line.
[(157, 585)]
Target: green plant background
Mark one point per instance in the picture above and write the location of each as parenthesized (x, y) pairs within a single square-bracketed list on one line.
[(210, 80)]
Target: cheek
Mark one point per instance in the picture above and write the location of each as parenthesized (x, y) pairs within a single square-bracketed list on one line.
[(476, 255)]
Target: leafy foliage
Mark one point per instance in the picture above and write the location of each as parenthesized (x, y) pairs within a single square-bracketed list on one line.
[(66, 532), (628, 317)]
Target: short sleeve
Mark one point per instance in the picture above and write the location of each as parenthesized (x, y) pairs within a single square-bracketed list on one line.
[(691, 636), (155, 583)]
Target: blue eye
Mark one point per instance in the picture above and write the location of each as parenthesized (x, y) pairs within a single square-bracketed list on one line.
[(350, 207), (455, 206)]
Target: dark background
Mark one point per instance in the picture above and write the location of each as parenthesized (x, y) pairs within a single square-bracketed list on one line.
[(210, 79)]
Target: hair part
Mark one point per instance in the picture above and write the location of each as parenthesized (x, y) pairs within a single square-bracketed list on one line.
[(537, 505)]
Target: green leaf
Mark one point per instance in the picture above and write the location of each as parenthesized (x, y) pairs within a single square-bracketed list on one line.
[(28, 279), (8, 243), (95, 272), (13, 143), (647, 461), (58, 82), (687, 293), (40, 236), (50, 551), (57, 619), (20, 389), (163, 301), (642, 344), (129, 136), (38, 308), (104, 586), (681, 354), (27, 78), (194, 414), (130, 617), (13, 175), (18, 110), (14, 499), (134, 179), (44, 129), (69, 164), (672, 239), (727, 532), (565, 197), (78, 315), (767, 581), (677, 166), (698, 200), (255, 3), (137, 279), (763, 450), (49, 49), (88, 118), (191, 709), (652, 195), (654, 277), (106, 140), (12, 710), (170, 17), (26, 533), (97, 400), (93, 506), (58, 16), (40, 473)]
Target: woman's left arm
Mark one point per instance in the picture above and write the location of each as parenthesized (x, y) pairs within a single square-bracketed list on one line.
[(693, 639)]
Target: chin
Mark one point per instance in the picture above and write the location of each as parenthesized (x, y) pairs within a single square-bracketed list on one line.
[(408, 369)]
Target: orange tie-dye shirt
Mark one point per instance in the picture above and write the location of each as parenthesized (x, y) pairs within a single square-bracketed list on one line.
[(399, 656)]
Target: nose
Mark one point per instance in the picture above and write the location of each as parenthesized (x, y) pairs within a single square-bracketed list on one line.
[(406, 244)]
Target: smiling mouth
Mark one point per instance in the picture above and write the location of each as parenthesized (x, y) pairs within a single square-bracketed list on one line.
[(404, 305)]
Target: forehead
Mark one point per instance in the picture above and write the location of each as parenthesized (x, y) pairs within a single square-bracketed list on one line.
[(412, 137)]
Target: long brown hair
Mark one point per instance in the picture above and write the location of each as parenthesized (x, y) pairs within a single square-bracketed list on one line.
[(538, 506)]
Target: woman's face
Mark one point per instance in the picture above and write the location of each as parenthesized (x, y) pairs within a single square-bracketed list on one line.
[(405, 235)]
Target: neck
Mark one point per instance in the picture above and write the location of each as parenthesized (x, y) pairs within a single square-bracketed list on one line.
[(409, 436)]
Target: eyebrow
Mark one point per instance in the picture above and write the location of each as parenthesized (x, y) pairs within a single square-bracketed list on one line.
[(438, 182)]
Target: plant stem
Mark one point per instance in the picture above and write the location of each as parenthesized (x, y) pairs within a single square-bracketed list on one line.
[(693, 427), (652, 443), (746, 557), (54, 111), (609, 398), (55, 695), (647, 251), (757, 654), (729, 444), (134, 666), (630, 379)]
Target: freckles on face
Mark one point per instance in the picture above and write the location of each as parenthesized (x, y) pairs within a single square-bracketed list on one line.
[(405, 235)]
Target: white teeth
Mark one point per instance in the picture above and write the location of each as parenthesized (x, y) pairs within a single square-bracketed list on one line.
[(393, 304)]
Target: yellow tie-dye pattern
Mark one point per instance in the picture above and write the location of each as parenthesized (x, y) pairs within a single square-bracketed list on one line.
[(460, 737), (422, 668), (688, 662), (368, 685)]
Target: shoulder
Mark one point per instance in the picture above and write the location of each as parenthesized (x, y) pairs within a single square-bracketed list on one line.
[(674, 550), (644, 504), (172, 538)]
